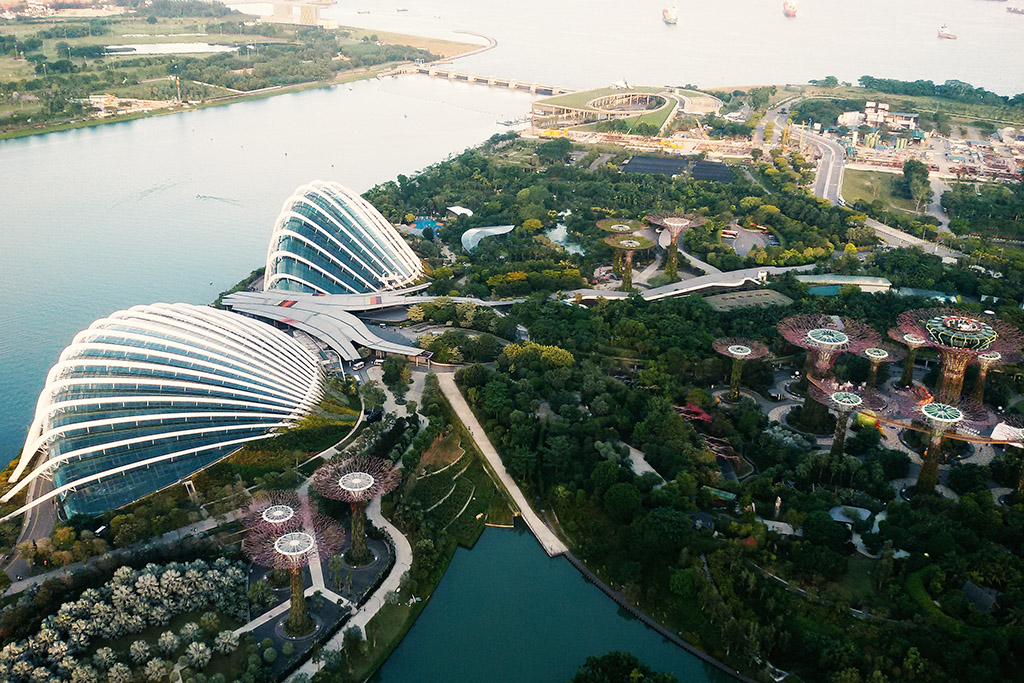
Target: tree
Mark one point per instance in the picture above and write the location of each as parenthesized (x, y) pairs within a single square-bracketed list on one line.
[(619, 667), (104, 658), (190, 632), (155, 670), (622, 502), (198, 655), (373, 395), (915, 175), (226, 642), (556, 150), (139, 651), (168, 643), (270, 655), (209, 622), (119, 673)]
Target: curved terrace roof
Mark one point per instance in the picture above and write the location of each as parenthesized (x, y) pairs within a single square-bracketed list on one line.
[(329, 240), (150, 395)]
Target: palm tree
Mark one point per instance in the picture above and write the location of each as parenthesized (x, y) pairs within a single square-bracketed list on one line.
[(155, 670), (168, 643), (104, 658), (139, 651), (198, 655), (226, 642)]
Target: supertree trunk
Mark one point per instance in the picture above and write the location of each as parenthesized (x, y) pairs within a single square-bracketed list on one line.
[(952, 382), (873, 374), (801, 383), (928, 479), (617, 263), (627, 271), (907, 378), (298, 619), (672, 259), (734, 380), (839, 437), (358, 553), (978, 392)]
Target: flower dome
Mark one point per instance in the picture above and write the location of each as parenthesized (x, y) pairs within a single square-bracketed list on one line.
[(329, 240), (148, 396)]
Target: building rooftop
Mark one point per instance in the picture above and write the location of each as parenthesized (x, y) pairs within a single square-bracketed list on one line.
[(471, 238), (755, 297), (659, 165), (711, 170)]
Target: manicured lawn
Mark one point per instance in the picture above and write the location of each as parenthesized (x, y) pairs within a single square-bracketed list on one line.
[(869, 186)]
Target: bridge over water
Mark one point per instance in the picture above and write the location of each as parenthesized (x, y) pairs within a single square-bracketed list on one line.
[(453, 74)]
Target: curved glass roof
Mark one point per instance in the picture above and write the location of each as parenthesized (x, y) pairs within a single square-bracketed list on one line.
[(150, 395), (329, 240)]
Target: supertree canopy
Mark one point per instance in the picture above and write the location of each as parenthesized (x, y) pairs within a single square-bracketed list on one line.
[(674, 225), (846, 400), (825, 337), (284, 537), (959, 337), (740, 350), (877, 355), (356, 481), (913, 342), (961, 419)]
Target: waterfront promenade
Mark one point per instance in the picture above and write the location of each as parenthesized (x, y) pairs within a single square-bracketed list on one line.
[(552, 545)]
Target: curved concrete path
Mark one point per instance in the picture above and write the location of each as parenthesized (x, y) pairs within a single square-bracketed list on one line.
[(552, 545)]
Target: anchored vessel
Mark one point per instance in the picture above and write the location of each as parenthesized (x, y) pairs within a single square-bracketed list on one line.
[(944, 33), (789, 8), (670, 15)]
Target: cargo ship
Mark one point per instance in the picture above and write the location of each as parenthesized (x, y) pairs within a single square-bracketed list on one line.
[(789, 8), (670, 15), (944, 33)]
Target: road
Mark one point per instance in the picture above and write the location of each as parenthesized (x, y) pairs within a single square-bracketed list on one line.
[(829, 182), (38, 523)]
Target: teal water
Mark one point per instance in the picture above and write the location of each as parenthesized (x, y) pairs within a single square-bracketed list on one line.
[(507, 613), (179, 208)]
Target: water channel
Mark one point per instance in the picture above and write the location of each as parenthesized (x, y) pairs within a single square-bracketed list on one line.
[(505, 613)]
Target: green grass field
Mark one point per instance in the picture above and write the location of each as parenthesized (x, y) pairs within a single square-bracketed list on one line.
[(869, 186)]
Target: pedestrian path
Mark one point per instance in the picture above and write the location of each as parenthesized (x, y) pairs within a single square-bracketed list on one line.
[(552, 545)]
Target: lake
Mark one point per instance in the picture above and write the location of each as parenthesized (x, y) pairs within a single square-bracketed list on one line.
[(505, 612)]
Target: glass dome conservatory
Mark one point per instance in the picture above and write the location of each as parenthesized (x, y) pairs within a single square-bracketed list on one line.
[(148, 396), (329, 240)]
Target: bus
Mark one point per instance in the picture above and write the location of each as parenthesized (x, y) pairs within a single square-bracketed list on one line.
[(730, 234)]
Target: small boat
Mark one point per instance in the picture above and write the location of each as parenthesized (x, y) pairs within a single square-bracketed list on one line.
[(670, 15), (1016, 9), (944, 33), (363, 11), (402, 9), (789, 8)]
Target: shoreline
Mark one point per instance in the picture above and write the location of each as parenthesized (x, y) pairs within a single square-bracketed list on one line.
[(361, 74)]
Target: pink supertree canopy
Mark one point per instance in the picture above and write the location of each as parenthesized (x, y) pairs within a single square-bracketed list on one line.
[(293, 543), (274, 506), (356, 480), (959, 337), (740, 347), (826, 337)]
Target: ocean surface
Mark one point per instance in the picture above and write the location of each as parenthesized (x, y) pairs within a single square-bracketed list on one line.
[(591, 43)]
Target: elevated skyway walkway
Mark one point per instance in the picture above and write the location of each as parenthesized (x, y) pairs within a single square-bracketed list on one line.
[(732, 278)]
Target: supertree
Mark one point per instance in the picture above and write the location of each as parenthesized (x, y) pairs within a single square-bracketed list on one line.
[(962, 418), (877, 355), (740, 350), (985, 361), (356, 481), (626, 245), (824, 337), (674, 225), (845, 400), (619, 226), (281, 536), (1015, 424), (273, 506), (959, 337), (913, 342)]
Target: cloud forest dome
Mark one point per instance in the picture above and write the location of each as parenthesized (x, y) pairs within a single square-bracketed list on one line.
[(329, 240), (152, 394)]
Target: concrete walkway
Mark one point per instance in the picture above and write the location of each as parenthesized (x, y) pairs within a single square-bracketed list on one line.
[(552, 545)]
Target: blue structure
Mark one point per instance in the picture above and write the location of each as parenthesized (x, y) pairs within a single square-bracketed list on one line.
[(329, 240), (148, 396)]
